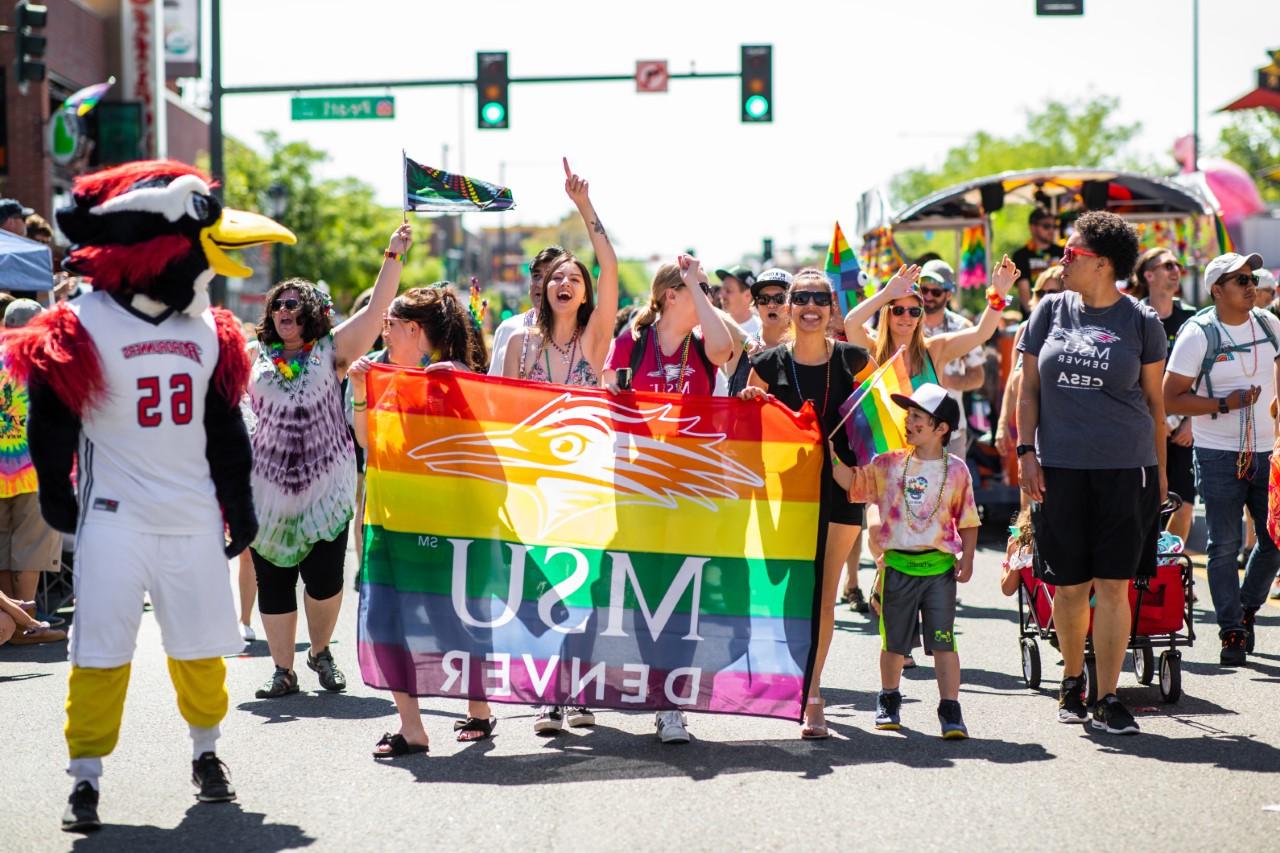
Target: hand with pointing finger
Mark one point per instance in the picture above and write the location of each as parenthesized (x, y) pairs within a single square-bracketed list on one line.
[(575, 187)]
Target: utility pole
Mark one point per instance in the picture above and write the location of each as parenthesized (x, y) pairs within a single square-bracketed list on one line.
[(217, 287), (1195, 85)]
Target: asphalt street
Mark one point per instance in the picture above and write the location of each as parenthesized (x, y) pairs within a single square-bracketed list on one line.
[(1204, 775)]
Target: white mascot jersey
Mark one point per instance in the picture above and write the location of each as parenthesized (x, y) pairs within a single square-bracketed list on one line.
[(142, 459)]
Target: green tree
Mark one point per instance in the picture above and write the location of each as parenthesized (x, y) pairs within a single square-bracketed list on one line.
[(1252, 139), (341, 229)]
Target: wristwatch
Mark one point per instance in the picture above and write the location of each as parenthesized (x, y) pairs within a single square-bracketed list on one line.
[(1222, 405), (1025, 448)]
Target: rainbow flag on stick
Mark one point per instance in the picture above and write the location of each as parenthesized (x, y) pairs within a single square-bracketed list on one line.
[(843, 271), (872, 421), (973, 257), (1224, 237), (537, 544)]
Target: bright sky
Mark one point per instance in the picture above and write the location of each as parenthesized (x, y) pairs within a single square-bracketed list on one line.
[(861, 90)]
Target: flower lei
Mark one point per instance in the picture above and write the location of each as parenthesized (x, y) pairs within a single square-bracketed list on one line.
[(291, 368)]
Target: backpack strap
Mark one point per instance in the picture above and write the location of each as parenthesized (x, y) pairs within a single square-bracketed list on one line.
[(1262, 317), (637, 352), (1205, 320), (701, 350)]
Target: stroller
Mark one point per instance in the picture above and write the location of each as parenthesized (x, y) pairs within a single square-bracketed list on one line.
[(1161, 605)]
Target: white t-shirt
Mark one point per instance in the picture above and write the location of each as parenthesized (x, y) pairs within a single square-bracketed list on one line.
[(1232, 372), (142, 448), (953, 322), (502, 336), (751, 325)]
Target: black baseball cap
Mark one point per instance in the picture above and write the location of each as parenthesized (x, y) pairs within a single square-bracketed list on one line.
[(741, 272), (772, 277), (932, 399), (11, 207)]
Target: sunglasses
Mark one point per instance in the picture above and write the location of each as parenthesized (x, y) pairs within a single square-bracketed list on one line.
[(1170, 266), (775, 299), (1070, 252), (913, 310), (706, 288), (935, 292), (1045, 291), (804, 297), (285, 305), (1244, 279)]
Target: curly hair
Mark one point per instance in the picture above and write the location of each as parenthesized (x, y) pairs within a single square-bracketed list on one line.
[(439, 312), (1112, 238), (313, 315)]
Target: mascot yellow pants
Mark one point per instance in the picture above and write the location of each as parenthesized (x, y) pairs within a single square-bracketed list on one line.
[(95, 702)]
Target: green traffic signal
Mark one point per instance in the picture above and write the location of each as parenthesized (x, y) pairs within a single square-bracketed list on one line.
[(757, 106), (493, 113)]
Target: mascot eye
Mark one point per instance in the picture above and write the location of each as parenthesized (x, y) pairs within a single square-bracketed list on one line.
[(198, 207), (566, 447)]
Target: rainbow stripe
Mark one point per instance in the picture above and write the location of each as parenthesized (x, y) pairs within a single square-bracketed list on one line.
[(973, 257), (844, 273), (877, 423), (539, 544)]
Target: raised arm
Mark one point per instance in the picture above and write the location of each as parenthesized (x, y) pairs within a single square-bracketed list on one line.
[(599, 334), (855, 322), (715, 337), (357, 333), (951, 345)]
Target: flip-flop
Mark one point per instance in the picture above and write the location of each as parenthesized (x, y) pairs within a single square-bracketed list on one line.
[(810, 731), (397, 746), (475, 724)]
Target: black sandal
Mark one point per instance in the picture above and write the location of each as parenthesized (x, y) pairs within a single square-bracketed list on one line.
[(475, 724), (397, 746)]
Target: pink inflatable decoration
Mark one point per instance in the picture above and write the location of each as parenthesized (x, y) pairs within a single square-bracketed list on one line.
[(1232, 186)]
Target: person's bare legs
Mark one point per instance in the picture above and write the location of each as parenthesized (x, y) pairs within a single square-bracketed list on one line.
[(839, 540), (1071, 620), (946, 667), (322, 617), (248, 582), (890, 670), (6, 585), (851, 564), (20, 586), (1180, 522), (411, 728), (282, 633), (1111, 619)]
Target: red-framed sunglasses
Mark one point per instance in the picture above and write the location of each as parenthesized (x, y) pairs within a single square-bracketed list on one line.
[(1069, 254)]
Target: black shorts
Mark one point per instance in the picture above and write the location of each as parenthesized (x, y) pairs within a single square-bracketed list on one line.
[(839, 509), (1100, 523), (320, 570), (1180, 469)]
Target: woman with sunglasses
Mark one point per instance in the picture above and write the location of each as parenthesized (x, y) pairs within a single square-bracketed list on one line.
[(568, 346), (1157, 281), (573, 332), (424, 327), (1091, 451), (815, 367), (304, 466), (678, 341)]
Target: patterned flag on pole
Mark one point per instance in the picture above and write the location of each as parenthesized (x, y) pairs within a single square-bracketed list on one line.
[(538, 544), (84, 100), (873, 422), (973, 257), (843, 271), (429, 190)]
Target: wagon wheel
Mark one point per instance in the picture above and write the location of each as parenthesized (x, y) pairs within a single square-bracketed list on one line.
[(1170, 676), (1030, 663), (1144, 664)]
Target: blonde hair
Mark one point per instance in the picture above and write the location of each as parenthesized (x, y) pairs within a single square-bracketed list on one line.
[(916, 353), (666, 278), (1046, 276)]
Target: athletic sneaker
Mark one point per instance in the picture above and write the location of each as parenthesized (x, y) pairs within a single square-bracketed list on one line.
[(1232, 654), (247, 634), (550, 719), (889, 710), (1250, 618), (952, 721), (331, 678), (209, 774), (580, 717), (281, 683), (858, 602), (1111, 716), (671, 727), (82, 809), (1071, 707)]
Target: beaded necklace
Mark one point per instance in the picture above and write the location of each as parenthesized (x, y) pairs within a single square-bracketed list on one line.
[(290, 368), (567, 354), (795, 376), (912, 517), (684, 360), (1253, 347)]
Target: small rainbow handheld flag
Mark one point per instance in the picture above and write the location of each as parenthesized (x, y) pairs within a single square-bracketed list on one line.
[(843, 271), (1224, 237), (872, 421), (973, 257), (84, 100)]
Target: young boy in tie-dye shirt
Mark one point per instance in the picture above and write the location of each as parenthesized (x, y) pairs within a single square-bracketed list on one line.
[(928, 532)]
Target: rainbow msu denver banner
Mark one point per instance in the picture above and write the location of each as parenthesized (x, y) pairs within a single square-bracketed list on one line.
[(535, 543)]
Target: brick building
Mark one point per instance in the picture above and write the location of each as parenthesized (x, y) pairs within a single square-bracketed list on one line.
[(84, 47)]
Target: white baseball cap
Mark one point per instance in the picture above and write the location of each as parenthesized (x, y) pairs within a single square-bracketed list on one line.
[(1223, 264), (1266, 278)]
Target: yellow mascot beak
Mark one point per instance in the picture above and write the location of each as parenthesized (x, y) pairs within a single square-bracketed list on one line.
[(239, 229)]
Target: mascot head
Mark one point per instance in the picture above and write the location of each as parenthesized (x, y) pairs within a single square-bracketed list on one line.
[(153, 228)]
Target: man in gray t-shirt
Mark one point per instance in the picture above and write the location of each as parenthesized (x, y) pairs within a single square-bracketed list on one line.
[(1092, 410)]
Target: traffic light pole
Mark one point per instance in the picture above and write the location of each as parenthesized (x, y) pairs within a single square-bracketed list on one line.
[(456, 81)]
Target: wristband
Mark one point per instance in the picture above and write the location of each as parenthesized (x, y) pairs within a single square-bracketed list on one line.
[(1024, 448), (1223, 408), (995, 301), (359, 406), (392, 256)]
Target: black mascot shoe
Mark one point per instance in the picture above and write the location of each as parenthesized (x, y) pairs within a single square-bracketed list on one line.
[(209, 774), (82, 810)]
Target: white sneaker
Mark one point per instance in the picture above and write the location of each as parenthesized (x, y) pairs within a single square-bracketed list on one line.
[(246, 633), (671, 728), (579, 717), (549, 719)]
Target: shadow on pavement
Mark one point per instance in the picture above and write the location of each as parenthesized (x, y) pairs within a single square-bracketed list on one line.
[(1002, 614), (23, 676), (610, 754), (223, 826), (36, 653), (319, 705), (1230, 752), (260, 649)]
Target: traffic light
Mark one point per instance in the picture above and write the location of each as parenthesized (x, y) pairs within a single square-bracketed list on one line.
[(491, 91), (757, 83), (28, 18)]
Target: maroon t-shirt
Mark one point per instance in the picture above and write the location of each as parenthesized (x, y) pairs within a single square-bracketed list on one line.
[(673, 374)]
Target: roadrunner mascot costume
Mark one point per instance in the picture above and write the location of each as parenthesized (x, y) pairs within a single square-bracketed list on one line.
[(134, 390)]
